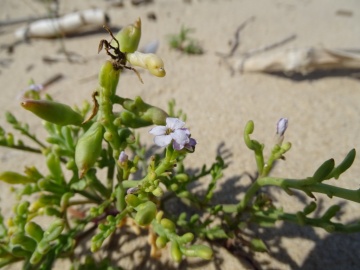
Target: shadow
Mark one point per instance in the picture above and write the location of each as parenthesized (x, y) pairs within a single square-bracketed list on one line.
[(319, 74), (334, 252), (90, 32)]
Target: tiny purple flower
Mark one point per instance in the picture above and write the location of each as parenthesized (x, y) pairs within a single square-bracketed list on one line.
[(281, 126), (123, 157), (132, 190), (175, 132)]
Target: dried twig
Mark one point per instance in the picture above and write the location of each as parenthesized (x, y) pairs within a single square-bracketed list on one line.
[(236, 42), (251, 53)]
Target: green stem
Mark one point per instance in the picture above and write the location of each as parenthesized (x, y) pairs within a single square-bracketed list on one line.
[(24, 148), (90, 196), (307, 185), (111, 169), (120, 197)]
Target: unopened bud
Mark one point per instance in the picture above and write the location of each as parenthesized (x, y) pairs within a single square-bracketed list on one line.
[(123, 158), (88, 148), (53, 112), (281, 126), (149, 61), (129, 37)]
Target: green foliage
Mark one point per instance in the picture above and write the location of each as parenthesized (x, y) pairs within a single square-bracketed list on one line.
[(78, 203), (184, 43)]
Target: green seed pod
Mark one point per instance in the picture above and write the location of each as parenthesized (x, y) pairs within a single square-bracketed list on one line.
[(175, 252), (132, 200), (146, 212), (88, 148), (129, 37), (161, 241), (54, 230), (15, 178), (109, 78), (53, 112), (24, 241), (34, 231), (149, 61), (201, 251)]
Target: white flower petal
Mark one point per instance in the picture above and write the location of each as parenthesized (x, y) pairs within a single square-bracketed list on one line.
[(162, 140), (158, 130), (180, 137), (174, 123)]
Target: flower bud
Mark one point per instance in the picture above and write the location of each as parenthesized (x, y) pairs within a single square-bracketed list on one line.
[(129, 37), (53, 112), (123, 157), (146, 212), (281, 126), (15, 178), (201, 251), (88, 148), (149, 61)]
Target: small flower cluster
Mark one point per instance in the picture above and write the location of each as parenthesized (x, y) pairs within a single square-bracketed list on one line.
[(174, 132)]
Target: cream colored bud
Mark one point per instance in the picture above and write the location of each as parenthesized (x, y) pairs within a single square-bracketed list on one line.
[(149, 61)]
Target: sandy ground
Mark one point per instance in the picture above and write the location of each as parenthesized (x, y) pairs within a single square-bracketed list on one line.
[(323, 112)]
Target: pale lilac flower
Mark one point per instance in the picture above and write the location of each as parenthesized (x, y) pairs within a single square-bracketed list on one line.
[(132, 190), (281, 126), (123, 157), (190, 145), (174, 132)]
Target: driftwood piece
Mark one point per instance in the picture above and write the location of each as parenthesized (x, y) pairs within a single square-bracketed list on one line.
[(70, 23), (300, 60)]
